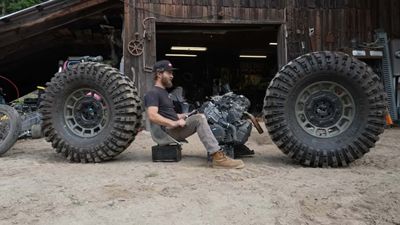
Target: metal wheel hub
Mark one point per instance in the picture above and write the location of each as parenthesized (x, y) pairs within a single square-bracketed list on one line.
[(325, 109), (86, 112)]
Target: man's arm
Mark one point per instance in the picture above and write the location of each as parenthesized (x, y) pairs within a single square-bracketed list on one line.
[(155, 117)]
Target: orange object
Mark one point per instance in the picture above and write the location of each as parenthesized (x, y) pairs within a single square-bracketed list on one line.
[(389, 120)]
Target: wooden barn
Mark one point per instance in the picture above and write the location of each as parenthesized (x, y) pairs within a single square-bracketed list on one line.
[(212, 42)]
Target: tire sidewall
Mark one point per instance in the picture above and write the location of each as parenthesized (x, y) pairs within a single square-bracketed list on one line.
[(15, 128)]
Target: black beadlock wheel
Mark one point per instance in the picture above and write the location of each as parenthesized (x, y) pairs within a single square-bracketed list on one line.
[(10, 127), (91, 113), (325, 109)]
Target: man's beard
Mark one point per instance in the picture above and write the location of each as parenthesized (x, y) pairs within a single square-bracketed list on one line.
[(166, 82)]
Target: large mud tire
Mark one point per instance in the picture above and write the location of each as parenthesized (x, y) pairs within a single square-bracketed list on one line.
[(91, 113), (325, 109), (10, 127)]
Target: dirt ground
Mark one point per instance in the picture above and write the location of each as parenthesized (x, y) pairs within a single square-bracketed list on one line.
[(37, 186)]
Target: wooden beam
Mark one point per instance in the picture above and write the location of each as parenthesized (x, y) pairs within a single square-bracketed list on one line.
[(11, 34), (129, 27), (57, 11)]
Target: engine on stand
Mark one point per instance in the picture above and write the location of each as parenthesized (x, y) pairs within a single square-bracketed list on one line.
[(228, 119)]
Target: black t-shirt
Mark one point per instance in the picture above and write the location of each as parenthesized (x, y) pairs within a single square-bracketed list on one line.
[(159, 97)]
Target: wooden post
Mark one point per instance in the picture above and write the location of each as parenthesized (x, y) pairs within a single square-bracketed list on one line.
[(139, 67), (282, 46), (129, 26)]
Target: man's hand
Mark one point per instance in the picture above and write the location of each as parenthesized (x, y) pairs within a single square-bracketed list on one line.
[(180, 123), (182, 116)]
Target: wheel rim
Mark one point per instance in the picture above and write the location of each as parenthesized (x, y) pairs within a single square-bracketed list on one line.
[(325, 109), (4, 126), (86, 112)]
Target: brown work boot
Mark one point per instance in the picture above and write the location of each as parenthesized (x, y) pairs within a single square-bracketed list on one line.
[(220, 160)]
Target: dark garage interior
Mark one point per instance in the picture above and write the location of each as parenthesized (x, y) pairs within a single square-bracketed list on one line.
[(202, 73)]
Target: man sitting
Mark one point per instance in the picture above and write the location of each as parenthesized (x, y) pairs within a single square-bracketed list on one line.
[(160, 110)]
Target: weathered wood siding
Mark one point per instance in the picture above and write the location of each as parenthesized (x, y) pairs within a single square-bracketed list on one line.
[(214, 11), (334, 22), (309, 25), (337, 22)]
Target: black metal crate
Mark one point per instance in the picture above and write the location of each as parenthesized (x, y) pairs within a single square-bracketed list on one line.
[(168, 153)]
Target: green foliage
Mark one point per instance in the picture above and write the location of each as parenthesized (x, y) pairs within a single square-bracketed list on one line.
[(10, 6)]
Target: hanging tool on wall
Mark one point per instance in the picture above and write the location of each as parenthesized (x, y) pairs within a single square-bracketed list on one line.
[(135, 46), (148, 32), (313, 41)]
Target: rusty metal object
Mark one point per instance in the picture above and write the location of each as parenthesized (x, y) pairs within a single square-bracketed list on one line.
[(255, 122), (135, 46)]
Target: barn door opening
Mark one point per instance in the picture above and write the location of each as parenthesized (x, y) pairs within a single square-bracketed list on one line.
[(208, 56)]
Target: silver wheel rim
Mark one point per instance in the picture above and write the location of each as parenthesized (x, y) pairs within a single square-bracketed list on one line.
[(86, 112), (325, 109)]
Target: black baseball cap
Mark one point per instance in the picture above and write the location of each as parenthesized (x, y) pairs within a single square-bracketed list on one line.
[(163, 65)]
